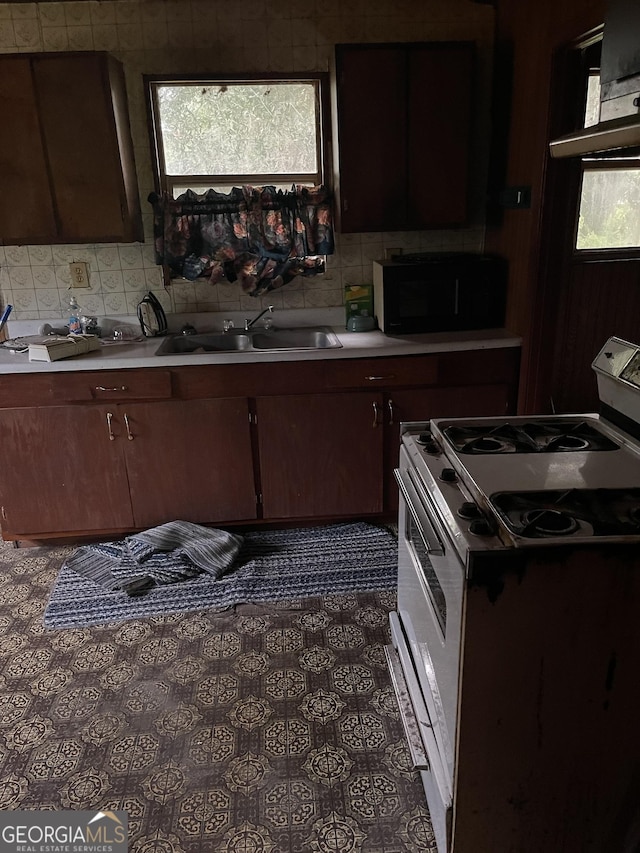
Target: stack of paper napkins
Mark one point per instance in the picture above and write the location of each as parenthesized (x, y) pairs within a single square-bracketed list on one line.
[(57, 347)]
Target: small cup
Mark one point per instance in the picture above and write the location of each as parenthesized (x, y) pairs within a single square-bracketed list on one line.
[(124, 333)]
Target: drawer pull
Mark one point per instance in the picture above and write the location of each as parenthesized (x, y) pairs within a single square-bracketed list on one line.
[(109, 419), (102, 388), (379, 378), (126, 423)]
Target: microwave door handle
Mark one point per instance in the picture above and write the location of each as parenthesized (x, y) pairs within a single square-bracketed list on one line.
[(427, 533)]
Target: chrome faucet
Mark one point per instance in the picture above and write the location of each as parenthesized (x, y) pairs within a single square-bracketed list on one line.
[(249, 323)]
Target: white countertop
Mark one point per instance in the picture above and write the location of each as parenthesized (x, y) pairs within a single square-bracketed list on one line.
[(117, 356)]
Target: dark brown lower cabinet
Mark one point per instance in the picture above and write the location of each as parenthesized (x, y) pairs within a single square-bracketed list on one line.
[(101, 453), (133, 465), (321, 454), (189, 460), (60, 472)]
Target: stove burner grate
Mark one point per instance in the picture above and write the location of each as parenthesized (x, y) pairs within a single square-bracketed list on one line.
[(549, 436), (548, 522), (587, 512)]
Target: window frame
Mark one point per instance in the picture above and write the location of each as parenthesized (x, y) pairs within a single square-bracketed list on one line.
[(592, 163), (164, 182)]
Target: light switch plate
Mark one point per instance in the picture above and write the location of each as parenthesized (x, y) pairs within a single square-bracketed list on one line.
[(79, 273)]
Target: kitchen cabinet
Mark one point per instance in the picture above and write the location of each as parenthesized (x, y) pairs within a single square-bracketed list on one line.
[(66, 156), (454, 402), (188, 460), (104, 452), (321, 455), (123, 466), (403, 117), (60, 472)]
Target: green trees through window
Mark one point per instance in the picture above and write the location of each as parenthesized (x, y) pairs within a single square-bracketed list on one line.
[(609, 212), (223, 133)]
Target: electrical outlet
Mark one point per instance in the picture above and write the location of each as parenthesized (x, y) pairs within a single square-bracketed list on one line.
[(79, 274)]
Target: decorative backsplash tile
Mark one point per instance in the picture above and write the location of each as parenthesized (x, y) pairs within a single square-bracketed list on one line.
[(157, 36)]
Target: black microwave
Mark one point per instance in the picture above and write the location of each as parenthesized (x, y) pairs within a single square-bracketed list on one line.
[(439, 292)]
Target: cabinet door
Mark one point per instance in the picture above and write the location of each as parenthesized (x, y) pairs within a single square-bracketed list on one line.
[(26, 209), (67, 167), (82, 146), (439, 104), (61, 472), (372, 140), (321, 455), (404, 118), (189, 460)]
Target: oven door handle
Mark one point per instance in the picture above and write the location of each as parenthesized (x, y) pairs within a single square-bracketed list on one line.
[(428, 534), (414, 713)]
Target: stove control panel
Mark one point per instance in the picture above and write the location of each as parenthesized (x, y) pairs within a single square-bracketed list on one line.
[(617, 368)]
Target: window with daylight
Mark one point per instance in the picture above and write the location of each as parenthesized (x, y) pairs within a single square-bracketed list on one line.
[(610, 191), (240, 179), (223, 133)]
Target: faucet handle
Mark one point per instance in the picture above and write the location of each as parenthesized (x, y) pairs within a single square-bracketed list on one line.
[(227, 325)]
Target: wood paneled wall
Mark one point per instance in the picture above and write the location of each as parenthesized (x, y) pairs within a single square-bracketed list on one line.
[(532, 31), (599, 299)]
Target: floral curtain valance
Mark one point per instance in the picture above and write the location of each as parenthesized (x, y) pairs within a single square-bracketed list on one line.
[(259, 236)]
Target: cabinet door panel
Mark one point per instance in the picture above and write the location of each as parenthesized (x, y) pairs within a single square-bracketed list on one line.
[(78, 125), (372, 137), (26, 211), (190, 460), (320, 455), (76, 479), (439, 122)]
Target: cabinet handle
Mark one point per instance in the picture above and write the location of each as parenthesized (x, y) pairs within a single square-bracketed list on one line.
[(109, 419), (126, 423), (379, 378), (376, 420), (102, 388), (390, 405)]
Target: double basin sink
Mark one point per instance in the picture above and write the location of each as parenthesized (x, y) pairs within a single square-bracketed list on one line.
[(253, 340)]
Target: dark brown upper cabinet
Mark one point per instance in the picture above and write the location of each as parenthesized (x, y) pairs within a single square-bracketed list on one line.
[(403, 135), (67, 168)]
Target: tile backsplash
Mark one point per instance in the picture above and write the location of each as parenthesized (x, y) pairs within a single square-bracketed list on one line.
[(185, 36)]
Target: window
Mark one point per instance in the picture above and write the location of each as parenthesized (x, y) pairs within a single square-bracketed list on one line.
[(218, 133), (610, 192)]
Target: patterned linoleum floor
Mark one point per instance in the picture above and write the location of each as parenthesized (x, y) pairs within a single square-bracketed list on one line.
[(269, 729)]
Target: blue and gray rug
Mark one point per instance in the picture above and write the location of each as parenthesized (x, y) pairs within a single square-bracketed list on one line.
[(275, 565)]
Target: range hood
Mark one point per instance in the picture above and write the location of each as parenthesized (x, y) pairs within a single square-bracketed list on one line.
[(607, 137), (619, 126)]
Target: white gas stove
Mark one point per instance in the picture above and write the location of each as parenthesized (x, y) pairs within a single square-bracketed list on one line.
[(538, 481), (519, 564)]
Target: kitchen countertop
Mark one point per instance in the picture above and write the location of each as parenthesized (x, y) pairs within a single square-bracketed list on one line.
[(117, 356)]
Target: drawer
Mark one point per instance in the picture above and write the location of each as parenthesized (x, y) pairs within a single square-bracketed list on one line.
[(99, 385), (248, 380), (382, 372)]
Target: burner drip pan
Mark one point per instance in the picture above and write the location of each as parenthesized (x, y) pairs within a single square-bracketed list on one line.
[(585, 512)]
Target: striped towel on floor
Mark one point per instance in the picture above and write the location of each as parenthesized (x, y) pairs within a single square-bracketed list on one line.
[(169, 553)]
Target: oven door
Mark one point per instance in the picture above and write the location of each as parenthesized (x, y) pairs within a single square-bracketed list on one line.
[(430, 600)]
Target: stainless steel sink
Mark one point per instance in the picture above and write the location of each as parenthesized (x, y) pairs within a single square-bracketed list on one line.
[(258, 340), (311, 338), (192, 344)]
